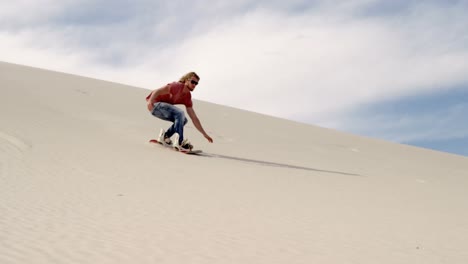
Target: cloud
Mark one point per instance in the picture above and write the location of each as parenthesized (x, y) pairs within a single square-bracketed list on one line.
[(309, 61), (433, 117), (316, 64)]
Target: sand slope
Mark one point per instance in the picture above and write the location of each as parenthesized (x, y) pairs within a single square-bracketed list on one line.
[(80, 184)]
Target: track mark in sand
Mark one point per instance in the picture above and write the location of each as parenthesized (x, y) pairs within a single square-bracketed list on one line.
[(81, 91), (17, 143), (11, 150)]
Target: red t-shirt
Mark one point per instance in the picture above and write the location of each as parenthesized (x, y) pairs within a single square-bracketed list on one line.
[(176, 96)]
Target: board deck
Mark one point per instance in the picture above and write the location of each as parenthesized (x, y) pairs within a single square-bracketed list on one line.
[(191, 152)]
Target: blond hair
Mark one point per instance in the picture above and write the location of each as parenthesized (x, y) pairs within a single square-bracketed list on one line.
[(187, 76)]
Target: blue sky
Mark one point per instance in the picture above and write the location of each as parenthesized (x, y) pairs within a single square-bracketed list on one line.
[(435, 120), (395, 70)]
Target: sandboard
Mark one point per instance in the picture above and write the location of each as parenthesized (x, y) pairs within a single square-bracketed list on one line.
[(190, 152)]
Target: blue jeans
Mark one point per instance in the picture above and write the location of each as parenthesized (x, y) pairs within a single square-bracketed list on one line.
[(173, 114)]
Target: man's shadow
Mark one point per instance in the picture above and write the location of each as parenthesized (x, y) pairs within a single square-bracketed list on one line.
[(273, 164)]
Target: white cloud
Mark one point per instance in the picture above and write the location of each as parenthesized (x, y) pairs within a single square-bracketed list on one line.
[(303, 60), (407, 123), (311, 64), (28, 13)]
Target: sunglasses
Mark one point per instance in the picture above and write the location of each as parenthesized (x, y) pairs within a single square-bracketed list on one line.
[(193, 82)]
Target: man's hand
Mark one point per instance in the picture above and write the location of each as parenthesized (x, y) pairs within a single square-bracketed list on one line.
[(209, 138), (150, 106), (154, 94)]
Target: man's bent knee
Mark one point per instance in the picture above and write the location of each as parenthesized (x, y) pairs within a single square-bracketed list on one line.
[(181, 117)]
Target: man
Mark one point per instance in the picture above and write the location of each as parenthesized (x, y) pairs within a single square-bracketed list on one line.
[(161, 104)]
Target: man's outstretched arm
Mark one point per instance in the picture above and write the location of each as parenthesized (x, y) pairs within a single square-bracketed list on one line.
[(197, 123)]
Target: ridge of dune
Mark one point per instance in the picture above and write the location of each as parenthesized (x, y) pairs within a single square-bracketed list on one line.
[(79, 183)]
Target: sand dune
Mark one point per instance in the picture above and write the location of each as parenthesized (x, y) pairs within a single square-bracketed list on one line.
[(79, 183)]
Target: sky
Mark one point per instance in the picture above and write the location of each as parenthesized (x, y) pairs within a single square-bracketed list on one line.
[(394, 70)]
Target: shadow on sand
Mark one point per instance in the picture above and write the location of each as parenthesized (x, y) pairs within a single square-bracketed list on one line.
[(273, 164)]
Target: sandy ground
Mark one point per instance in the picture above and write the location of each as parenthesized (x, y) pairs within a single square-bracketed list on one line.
[(79, 183)]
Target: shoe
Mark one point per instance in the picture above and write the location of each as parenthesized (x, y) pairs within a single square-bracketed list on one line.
[(163, 138), (175, 143), (185, 146)]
